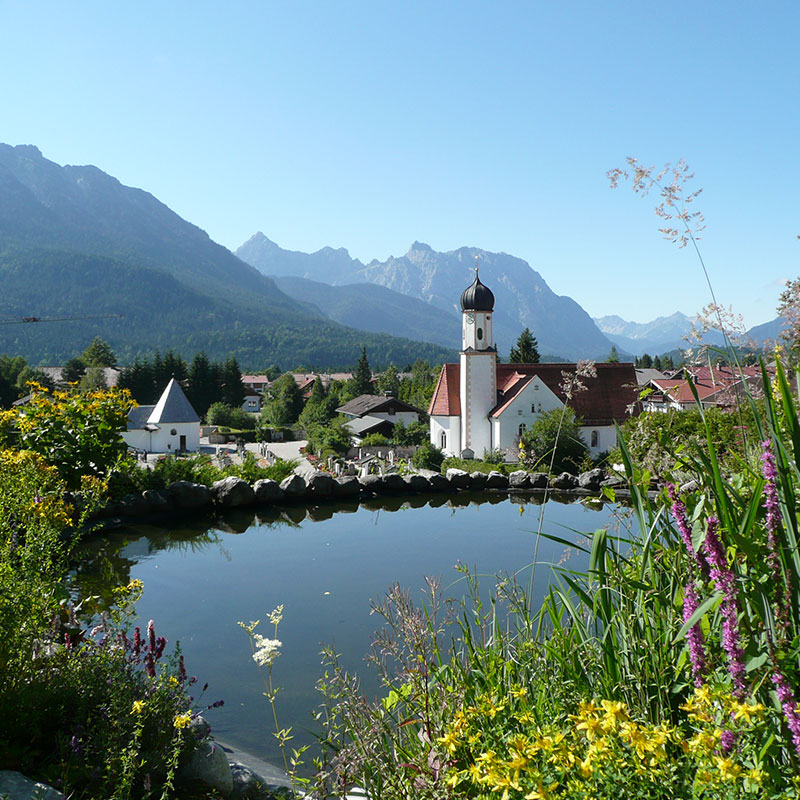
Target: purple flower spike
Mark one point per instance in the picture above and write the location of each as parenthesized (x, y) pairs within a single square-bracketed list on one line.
[(697, 651), (681, 520), (781, 602), (151, 635), (789, 705), (725, 582)]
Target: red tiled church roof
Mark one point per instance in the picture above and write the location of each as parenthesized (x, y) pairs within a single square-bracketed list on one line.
[(607, 397), (446, 400)]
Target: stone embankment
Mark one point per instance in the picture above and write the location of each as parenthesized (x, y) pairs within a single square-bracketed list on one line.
[(234, 492)]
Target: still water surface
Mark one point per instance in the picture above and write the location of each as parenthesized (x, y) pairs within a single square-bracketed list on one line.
[(324, 564)]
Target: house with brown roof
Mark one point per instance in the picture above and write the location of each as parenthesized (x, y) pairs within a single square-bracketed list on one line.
[(479, 405), (370, 413)]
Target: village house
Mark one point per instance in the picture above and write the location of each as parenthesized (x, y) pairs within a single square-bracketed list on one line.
[(716, 387), (370, 413), (170, 426), (480, 406)]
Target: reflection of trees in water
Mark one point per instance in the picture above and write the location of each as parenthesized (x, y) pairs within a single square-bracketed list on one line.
[(105, 561)]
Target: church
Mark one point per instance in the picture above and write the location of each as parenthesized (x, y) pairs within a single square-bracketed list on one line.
[(480, 405)]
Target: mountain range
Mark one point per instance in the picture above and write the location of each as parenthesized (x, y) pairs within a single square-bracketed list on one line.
[(666, 334), (75, 242), (523, 298)]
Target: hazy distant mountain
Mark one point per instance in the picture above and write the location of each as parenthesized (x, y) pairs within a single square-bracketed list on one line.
[(768, 331), (75, 242), (656, 337), (667, 333), (369, 307), (523, 299)]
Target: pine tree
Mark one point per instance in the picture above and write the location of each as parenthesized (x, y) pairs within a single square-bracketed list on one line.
[(646, 361), (233, 392), (657, 362), (138, 380), (203, 388), (613, 356), (361, 382), (526, 350)]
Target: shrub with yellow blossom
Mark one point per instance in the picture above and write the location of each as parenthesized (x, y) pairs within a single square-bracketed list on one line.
[(76, 432)]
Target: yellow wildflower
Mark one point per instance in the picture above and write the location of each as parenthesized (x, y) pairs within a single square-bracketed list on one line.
[(183, 720), (728, 770), (615, 712), (138, 707)]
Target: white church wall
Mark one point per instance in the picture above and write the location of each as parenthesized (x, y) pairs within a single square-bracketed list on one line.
[(524, 410), (164, 440), (605, 439), (478, 397), (450, 429)]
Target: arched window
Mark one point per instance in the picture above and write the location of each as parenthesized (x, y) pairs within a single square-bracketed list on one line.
[(594, 439), (444, 440), (522, 428), (480, 334)]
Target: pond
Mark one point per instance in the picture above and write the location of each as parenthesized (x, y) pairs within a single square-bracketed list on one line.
[(324, 564)]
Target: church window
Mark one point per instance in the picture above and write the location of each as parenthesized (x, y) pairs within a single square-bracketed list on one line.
[(522, 428), (480, 334), (533, 408), (594, 439), (444, 440)]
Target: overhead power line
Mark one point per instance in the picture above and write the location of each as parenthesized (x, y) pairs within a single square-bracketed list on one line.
[(27, 320)]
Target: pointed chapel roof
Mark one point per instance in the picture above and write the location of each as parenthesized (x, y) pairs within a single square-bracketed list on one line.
[(173, 406)]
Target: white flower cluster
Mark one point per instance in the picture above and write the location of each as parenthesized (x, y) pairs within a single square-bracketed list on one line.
[(267, 650)]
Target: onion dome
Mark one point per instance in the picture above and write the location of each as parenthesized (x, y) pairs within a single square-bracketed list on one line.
[(477, 297)]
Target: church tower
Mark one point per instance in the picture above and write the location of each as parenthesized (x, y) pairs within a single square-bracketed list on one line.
[(478, 373)]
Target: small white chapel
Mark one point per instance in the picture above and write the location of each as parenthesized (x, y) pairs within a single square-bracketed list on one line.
[(480, 405)]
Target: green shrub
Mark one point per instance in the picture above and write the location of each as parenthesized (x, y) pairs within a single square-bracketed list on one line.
[(375, 440), (554, 442), (427, 456)]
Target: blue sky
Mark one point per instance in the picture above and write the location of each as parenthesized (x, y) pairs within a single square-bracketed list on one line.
[(369, 125)]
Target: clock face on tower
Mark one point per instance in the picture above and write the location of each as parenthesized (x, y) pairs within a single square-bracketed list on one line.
[(470, 319)]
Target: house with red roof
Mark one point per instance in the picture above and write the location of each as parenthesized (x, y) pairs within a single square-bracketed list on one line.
[(480, 405), (716, 387)]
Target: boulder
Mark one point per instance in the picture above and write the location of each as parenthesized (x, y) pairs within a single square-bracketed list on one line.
[(614, 482), (564, 481), (293, 486), (346, 487), (591, 479), (15, 786), (394, 483), (519, 479), (231, 492), (268, 491), (320, 484), (249, 785), (417, 483), (477, 481), (496, 480), (134, 505), (458, 477), (538, 480), (158, 500), (208, 768), (372, 483), (438, 483), (188, 495)]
